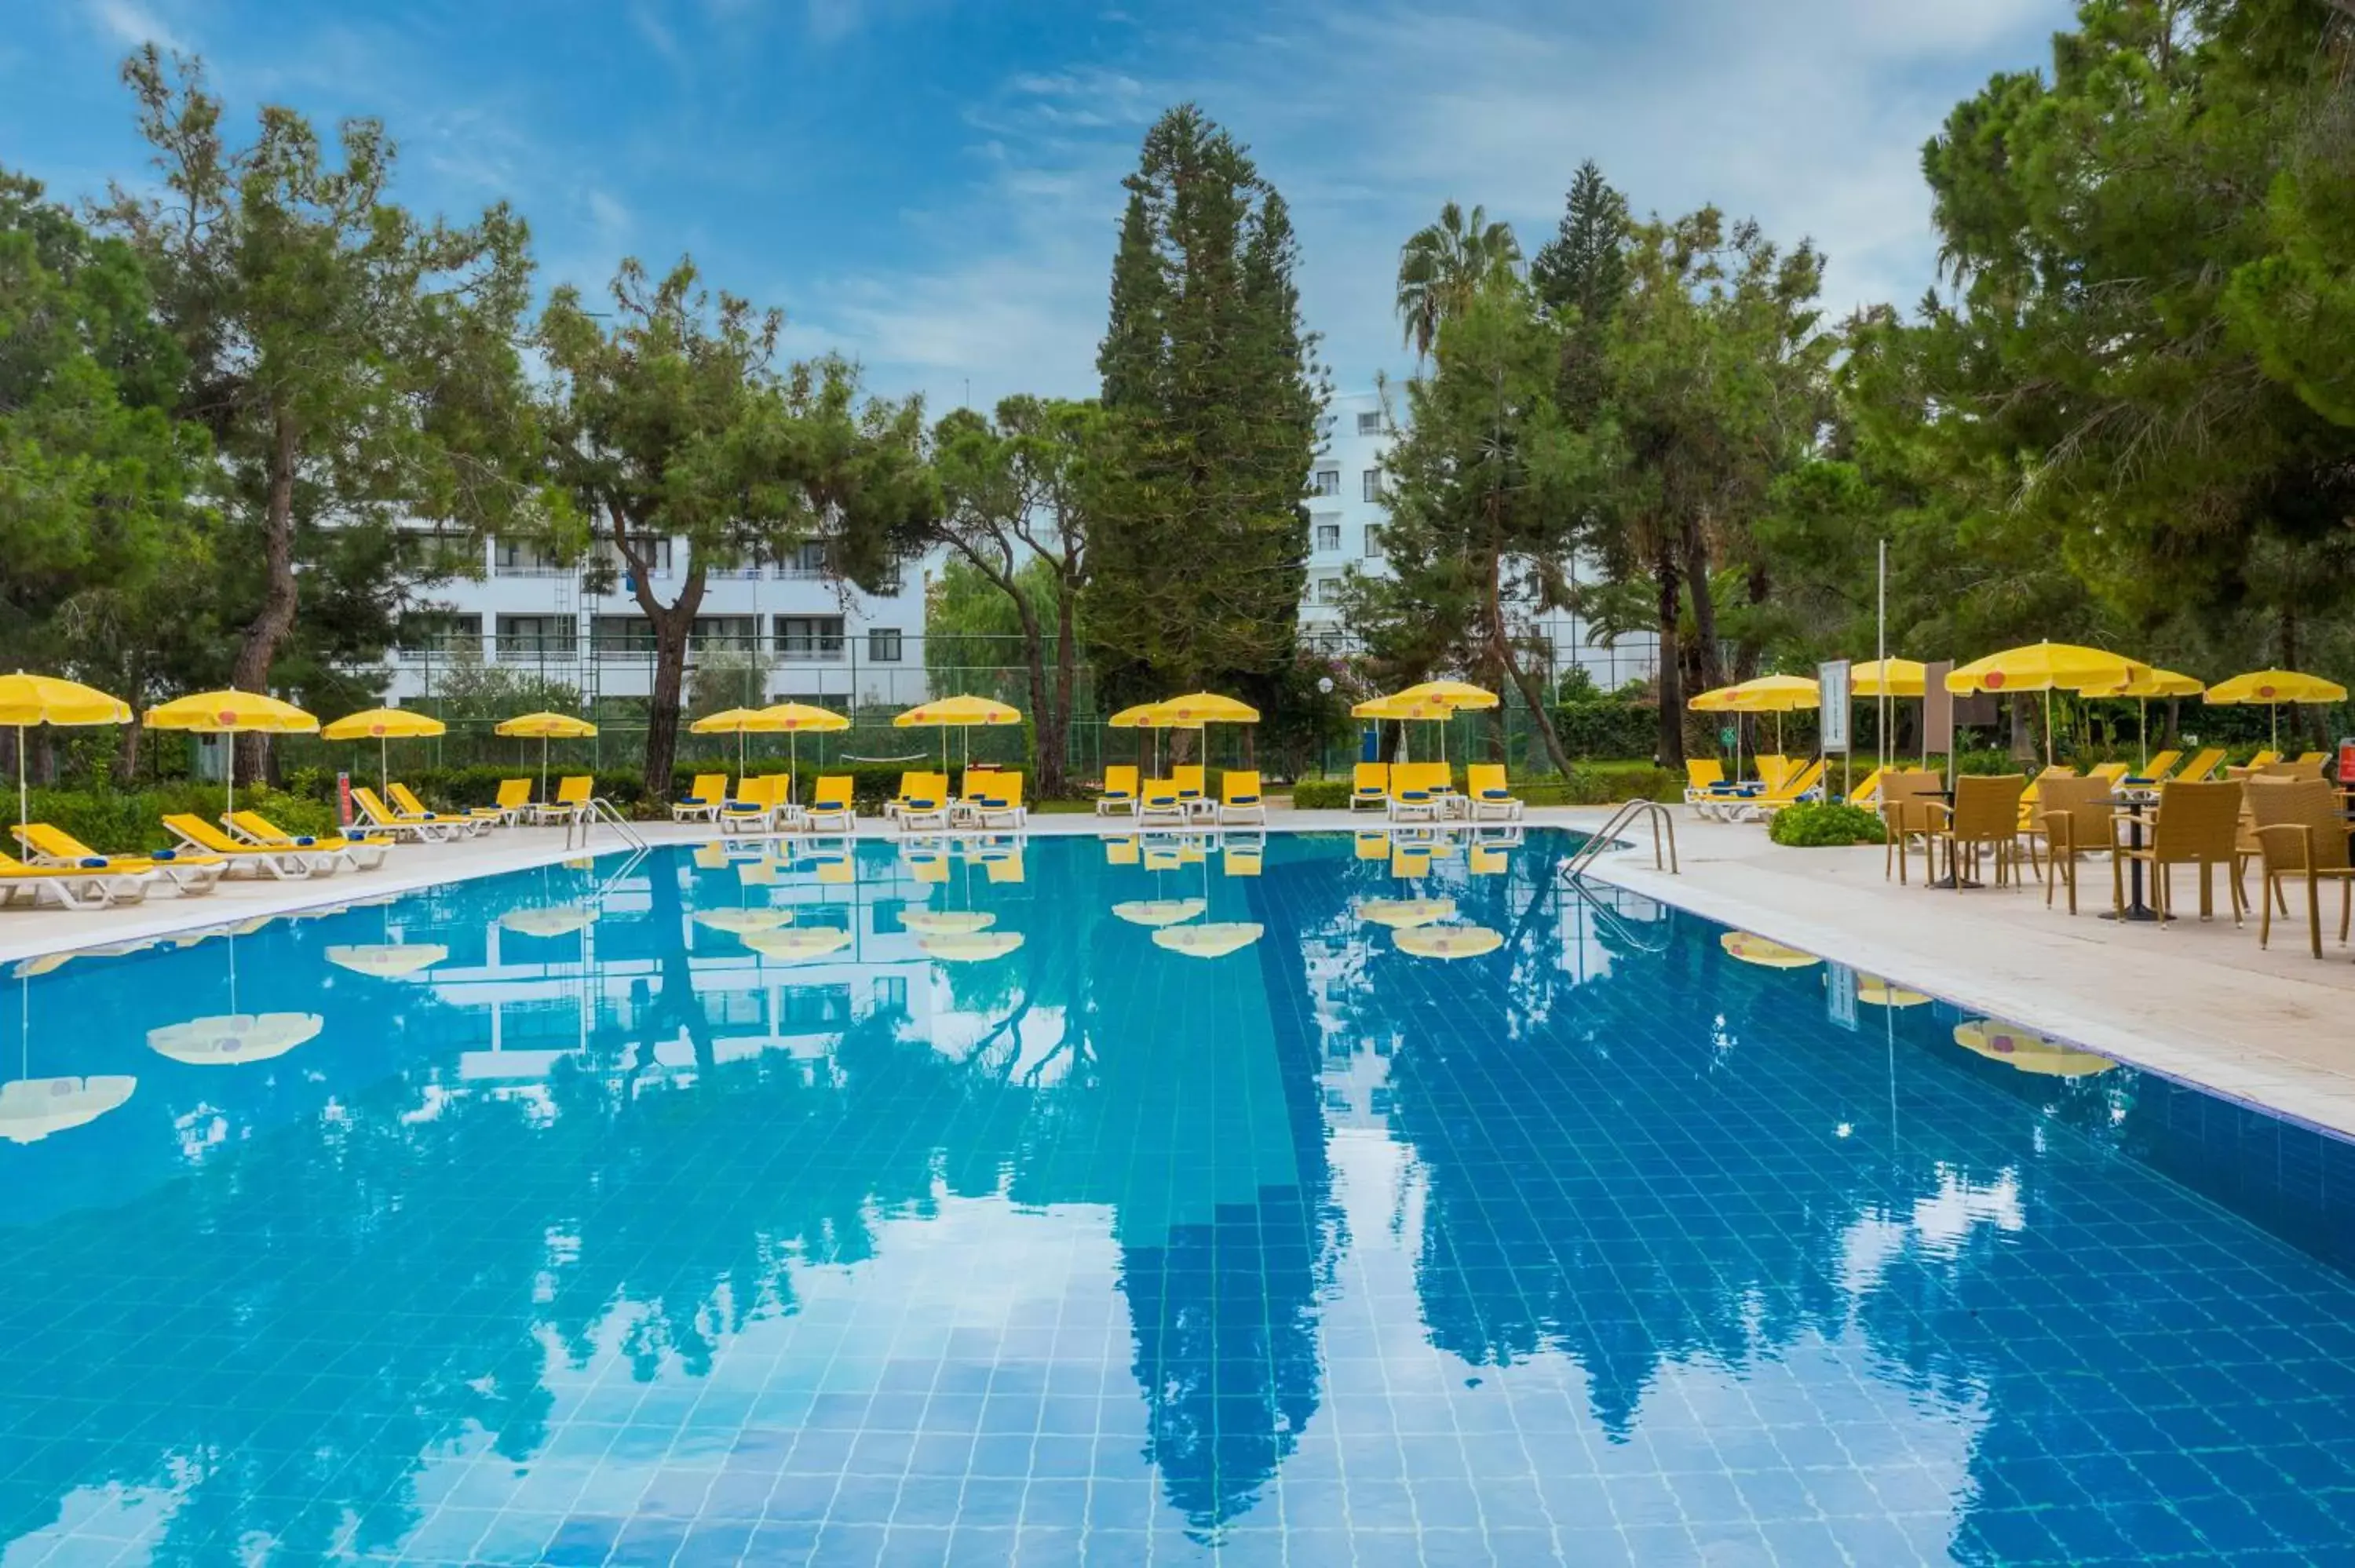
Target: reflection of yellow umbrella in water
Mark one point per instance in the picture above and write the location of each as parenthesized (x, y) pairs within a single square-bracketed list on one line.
[(975, 946), (1875, 991), (387, 960), (946, 922), (1448, 941), (562, 920), (32, 1108), (1158, 912), (1211, 939), (236, 1038), (740, 922), (2027, 1050), (1756, 949), (1403, 913), (802, 942)]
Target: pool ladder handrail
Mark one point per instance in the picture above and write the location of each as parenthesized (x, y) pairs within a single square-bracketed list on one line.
[(598, 808), (1664, 837)]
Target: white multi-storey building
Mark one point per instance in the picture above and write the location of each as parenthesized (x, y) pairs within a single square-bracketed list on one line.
[(1345, 534), (820, 639)]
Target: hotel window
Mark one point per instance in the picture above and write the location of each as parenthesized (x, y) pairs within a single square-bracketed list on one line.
[(1370, 424), (1328, 535), (1329, 591), (1373, 541), (1327, 481), (1373, 481), (730, 633), (809, 637), (890, 993), (805, 561), (621, 636), (518, 558), (536, 634), (883, 645)]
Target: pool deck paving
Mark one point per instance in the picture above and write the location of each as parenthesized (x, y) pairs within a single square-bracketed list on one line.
[(2196, 1000)]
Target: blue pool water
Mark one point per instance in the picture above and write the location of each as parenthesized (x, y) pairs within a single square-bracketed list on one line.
[(549, 1218)]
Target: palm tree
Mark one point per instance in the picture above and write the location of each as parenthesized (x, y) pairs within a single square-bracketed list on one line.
[(1445, 264)]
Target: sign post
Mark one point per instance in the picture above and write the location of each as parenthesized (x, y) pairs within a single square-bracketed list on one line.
[(1832, 719), (1938, 716)]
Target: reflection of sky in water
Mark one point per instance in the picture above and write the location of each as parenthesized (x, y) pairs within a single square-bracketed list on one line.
[(611, 1236)]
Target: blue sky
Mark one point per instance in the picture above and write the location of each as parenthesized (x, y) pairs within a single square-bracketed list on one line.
[(932, 185)]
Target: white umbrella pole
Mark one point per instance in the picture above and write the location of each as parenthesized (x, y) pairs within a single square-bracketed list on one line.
[(23, 789), (383, 765)]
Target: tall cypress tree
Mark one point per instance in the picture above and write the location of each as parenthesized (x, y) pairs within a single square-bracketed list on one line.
[(1210, 380)]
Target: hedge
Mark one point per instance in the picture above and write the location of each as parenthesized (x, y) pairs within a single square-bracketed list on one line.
[(1825, 825), (1589, 784), (118, 822)]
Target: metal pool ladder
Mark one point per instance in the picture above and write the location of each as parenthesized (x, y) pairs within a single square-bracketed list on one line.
[(1664, 837), (601, 809)]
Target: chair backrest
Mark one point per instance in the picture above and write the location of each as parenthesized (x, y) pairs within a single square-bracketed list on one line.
[(1797, 784), (2308, 758), (2107, 772), (1370, 778), (1868, 789), (2261, 757), (2197, 822), (513, 792), (1161, 791), (1190, 777), (196, 830), (911, 785), (2283, 770), (1120, 852), (1773, 767), (2202, 763), (259, 828), (1120, 780), (403, 798), (1436, 776), (573, 789), (1987, 805), (1239, 784), (53, 841), (365, 797), (2309, 803), (1479, 777), (2160, 766), (832, 793), (1703, 772), (709, 787), (2085, 802), (1002, 789), (1905, 800)]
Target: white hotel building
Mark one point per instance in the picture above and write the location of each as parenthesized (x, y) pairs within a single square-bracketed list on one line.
[(825, 640)]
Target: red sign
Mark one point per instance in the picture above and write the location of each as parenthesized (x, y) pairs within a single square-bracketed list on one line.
[(2347, 762), (343, 799)]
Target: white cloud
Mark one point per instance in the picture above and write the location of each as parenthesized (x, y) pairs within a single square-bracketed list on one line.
[(131, 23)]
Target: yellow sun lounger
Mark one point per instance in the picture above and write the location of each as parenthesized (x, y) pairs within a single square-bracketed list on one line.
[(1369, 787), (1486, 796), (1239, 798), (190, 873), (830, 802), (384, 818), (286, 864), (359, 854), (73, 886), (1119, 793), (468, 823), (702, 800)]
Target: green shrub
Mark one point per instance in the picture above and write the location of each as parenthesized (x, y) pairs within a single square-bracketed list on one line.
[(1607, 727), (126, 822), (1606, 784), (1320, 794), (1824, 825)]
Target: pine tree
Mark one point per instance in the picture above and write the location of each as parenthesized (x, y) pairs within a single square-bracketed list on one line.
[(1580, 277), (1214, 400)]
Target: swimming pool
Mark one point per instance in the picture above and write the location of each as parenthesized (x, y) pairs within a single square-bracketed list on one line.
[(1169, 1201)]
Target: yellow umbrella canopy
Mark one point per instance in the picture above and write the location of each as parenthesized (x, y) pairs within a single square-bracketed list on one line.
[(560, 920), (2152, 683), (1454, 693), (232, 1039), (29, 700), (232, 712), (33, 1108), (1756, 949), (2027, 1050), (1160, 911), (387, 960), (738, 922), (793, 719), (1889, 678), (1875, 991), (383, 726), (2047, 667), (1448, 942), (1207, 707), (544, 727), (1405, 914), (1777, 694), (1214, 939), (2272, 688), (1717, 700), (946, 713), (1398, 707)]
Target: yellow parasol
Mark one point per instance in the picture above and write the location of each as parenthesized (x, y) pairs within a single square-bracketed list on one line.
[(1776, 694), (737, 722), (382, 725), (1460, 697), (2046, 667), (1160, 911), (957, 713), (1146, 716), (1756, 949), (1398, 707), (1196, 709), (2149, 685), (1214, 939), (33, 1108), (387, 960), (545, 728), (2027, 1050), (976, 947), (1889, 678), (2272, 688), (739, 922), (794, 719), (946, 922), (231, 713), (1449, 942), (233, 1039), (560, 920), (1875, 991), (29, 700), (804, 942)]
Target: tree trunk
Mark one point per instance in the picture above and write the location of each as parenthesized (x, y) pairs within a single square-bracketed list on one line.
[(1067, 674), (1501, 647), (2174, 717), (671, 623), (259, 647), (126, 755), (2023, 733), (1707, 656), (1670, 679), (1042, 722)]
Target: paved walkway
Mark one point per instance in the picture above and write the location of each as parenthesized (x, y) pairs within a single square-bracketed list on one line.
[(2198, 1001)]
